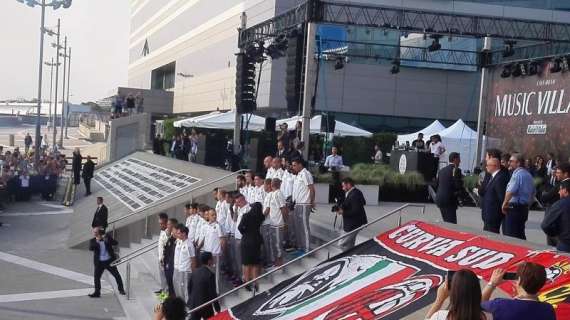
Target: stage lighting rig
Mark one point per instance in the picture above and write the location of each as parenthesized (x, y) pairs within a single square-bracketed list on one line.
[(507, 71), (509, 50), (534, 68), (435, 45), (339, 63), (395, 67)]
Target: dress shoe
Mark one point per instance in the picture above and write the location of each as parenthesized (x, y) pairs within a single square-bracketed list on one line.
[(94, 295), (122, 292)]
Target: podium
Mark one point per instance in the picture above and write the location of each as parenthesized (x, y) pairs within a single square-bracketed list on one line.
[(406, 161)]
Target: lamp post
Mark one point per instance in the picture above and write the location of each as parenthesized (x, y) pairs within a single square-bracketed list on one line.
[(51, 65), (57, 47), (64, 56), (55, 4), (67, 99)]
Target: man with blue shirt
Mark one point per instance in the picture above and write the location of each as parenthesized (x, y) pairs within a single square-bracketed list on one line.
[(520, 191)]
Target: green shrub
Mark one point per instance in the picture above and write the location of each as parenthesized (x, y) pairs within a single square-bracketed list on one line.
[(382, 175), (470, 182), (169, 130)]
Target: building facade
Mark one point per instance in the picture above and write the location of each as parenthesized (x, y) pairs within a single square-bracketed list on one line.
[(189, 46)]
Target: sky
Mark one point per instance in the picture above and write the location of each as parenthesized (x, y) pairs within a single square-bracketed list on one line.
[(97, 31)]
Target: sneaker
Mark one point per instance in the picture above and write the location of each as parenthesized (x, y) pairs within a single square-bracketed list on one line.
[(94, 295), (248, 288), (122, 292), (289, 249)]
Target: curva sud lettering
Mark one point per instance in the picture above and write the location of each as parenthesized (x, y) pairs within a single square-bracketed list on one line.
[(450, 250)]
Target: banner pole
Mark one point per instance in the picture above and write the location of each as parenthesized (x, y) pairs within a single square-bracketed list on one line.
[(481, 116)]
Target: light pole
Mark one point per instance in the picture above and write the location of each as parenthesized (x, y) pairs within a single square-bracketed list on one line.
[(64, 56), (57, 47), (55, 4), (67, 99), (50, 64)]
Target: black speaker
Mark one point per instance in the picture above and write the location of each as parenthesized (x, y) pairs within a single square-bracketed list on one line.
[(328, 123), (294, 76), (270, 124)]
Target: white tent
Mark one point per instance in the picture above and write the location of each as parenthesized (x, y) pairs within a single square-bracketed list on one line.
[(462, 139), (434, 128), (224, 120), (341, 128), (191, 122)]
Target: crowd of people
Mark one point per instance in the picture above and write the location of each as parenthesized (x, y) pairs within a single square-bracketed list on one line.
[(126, 105), (507, 189), (468, 302), (184, 146)]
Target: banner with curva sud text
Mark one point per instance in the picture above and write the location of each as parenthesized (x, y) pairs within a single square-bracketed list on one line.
[(396, 274), (529, 113)]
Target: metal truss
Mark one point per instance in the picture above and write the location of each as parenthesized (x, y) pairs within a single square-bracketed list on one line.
[(396, 52), (407, 20), (423, 21), (531, 52)]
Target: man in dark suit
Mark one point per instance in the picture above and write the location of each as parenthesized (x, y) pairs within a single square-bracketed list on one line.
[(550, 196), (88, 169), (202, 287), (158, 145), (489, 154), (493, 195), (100, 217), (449, 186), (103, 256), (352, 211)]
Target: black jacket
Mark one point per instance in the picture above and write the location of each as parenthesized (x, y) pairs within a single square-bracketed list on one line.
[(76, 162), (109, 243), (550, 196), (202, 286), (493, 195), (353, 214), (100, 217), (449, 186), (556, 221), (88, 168), (168, 253), (158, 146)]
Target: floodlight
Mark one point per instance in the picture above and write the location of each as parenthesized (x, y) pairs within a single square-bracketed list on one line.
[(31, 3), (56, 5), (66, 4), (339, 63)]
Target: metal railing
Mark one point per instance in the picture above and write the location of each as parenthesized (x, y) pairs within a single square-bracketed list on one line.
[(326, 245), (162, 201), (132, 255), (127, 259)]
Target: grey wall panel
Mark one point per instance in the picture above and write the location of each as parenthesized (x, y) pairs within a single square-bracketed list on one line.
[(147, 11)]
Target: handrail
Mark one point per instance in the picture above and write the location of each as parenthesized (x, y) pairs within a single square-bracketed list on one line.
[(335, 240), (135, 253), (175, 197)]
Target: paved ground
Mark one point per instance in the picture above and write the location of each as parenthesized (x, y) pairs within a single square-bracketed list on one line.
[(40, 278)]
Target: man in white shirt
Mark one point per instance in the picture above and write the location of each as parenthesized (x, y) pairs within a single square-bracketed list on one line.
[(162, 239), (265, 228), (304, 199), (268, 166), (184, 262), (242, 208), (276, 211), (214, 242), (277, 170), (249, 187), (192, 219), (259, 191)]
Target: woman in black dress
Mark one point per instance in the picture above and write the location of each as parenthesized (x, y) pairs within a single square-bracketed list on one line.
[(251, 242)]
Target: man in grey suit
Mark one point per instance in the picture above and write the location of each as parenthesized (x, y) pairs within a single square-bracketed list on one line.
[(449, 186)]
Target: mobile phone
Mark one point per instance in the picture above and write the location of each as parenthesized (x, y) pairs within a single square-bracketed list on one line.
[(510, 276), (450, 274)]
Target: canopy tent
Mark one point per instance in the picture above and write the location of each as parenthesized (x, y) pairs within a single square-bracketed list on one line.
[(219, 120), (341, 128), (462, 139), (434, 128), (191, 122)]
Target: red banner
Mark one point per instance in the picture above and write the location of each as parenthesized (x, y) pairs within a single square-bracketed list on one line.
[(396, 274), (451, 250)]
